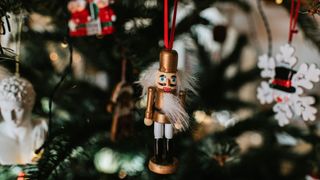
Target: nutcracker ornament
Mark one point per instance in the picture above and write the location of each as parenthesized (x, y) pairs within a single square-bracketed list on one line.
[(121, 106), (165, 89), (285, 86)]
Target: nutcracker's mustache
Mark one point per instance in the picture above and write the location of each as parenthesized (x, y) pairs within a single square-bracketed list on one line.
[(171, 85)]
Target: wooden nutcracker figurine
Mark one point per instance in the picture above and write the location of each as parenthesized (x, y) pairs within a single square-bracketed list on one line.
[(121, 105), (165, 90)]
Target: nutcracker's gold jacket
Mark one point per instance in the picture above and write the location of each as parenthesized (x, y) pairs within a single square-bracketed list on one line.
[(155, 104)]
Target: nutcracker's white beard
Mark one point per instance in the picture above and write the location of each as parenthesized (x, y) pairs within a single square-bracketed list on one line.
[(174, 110)]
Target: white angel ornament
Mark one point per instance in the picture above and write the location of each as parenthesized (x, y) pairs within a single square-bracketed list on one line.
[(20, 135), (286, 85)]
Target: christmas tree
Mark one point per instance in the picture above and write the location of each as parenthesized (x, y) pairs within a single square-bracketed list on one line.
[(86, 60)]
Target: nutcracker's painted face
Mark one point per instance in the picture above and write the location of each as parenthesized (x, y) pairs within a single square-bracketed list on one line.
[(280, 96), (166, 81)]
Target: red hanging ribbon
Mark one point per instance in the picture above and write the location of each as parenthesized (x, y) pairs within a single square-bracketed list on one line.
[(166, 24), (169, 44), (294, 13)]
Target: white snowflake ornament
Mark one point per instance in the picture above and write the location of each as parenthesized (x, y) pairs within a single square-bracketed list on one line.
[(286, 85), (267, 64), (286, 56)]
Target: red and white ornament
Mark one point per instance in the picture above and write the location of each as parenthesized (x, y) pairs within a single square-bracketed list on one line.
[(106, 16), (286, 85), (79, 18), (90, 17)]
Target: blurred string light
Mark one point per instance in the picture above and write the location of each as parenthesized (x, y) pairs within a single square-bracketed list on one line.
[(64, 44), (202, 117), (21, 176), (53, 56), (249, 139), (205, 125), (286, 167), (286, 139), (58, 56), (109, 161), (223, 118), (133, 164), (137, 23), (278, 2), (150, 4), (45, 104), (297, 145), (122, 174)]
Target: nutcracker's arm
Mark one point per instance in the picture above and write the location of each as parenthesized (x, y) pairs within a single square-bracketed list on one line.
[(182, 97), (150, 102)]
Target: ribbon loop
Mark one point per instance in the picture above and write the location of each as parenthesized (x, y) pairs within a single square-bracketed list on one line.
[(294, 13), (169, 43)]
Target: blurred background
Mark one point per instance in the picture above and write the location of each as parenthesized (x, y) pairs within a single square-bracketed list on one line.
[(232, 135)]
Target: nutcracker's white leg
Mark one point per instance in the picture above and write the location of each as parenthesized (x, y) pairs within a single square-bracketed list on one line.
[(158, 130), (168, 143), (158, 142), (168, 131)]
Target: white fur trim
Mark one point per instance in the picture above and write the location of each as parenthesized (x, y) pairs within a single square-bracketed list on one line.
[(148, 77), (185, 81), (175, 112)]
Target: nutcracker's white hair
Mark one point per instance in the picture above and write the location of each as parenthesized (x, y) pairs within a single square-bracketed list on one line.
[(172, 106), (175, 112)]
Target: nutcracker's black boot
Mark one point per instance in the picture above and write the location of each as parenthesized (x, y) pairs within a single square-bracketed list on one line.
[(158, 150), (168, 156)]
